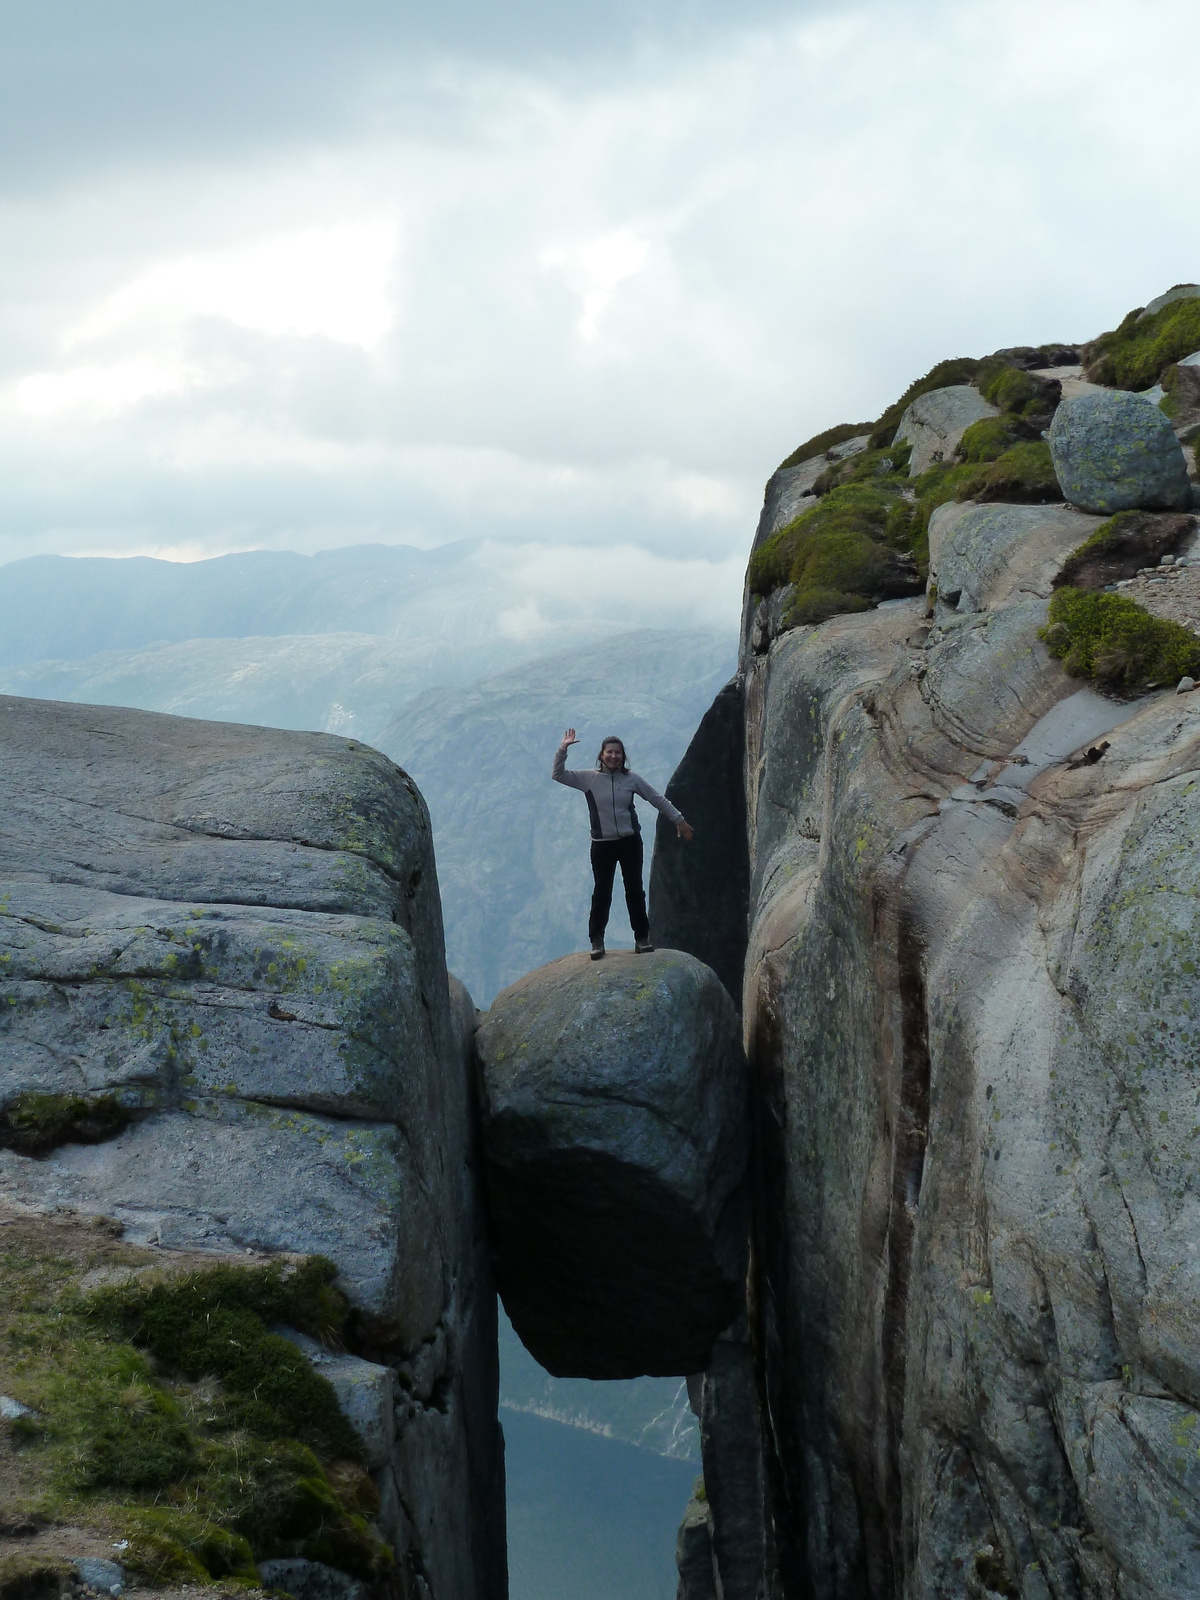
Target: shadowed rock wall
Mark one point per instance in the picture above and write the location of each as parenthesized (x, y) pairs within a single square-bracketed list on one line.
[(699, 889)]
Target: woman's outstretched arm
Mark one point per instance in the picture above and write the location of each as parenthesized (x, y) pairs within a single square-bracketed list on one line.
[(573, 780), (660, 803)]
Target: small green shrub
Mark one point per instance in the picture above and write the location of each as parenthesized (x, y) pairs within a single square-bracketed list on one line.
[(851, 549), (1115, 642), (865, 467), (1010, 388), (168, 1545), (1136, 354), (820, 442), (35, 1124), (988, 439), (959, 369)]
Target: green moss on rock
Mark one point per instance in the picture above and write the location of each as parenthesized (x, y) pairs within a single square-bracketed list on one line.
[(820, 442), (35, 1124), (1135, 355), (851, 550), (215, 1323), (989, 438), (1023, 474), (1116, 643)]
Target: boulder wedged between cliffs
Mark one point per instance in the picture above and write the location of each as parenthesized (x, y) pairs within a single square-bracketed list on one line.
[(614, 1110)]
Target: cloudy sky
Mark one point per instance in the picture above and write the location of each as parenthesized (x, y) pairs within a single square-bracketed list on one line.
[(295, 274)]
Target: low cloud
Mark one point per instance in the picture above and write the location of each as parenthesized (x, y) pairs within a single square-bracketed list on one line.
[(584, 306)]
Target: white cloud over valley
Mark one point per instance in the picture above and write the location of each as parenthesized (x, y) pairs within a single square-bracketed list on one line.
[(577, 301)]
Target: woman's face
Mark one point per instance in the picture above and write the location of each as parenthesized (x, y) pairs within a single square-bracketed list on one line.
[(613, 757)]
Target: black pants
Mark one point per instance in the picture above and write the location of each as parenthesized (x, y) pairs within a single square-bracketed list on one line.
[(605, 855)]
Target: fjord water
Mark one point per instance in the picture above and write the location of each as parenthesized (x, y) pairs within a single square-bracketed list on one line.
[(589, 1518)]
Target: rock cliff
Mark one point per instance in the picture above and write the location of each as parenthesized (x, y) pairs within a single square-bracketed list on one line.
[(970, 996), (226, 1025)]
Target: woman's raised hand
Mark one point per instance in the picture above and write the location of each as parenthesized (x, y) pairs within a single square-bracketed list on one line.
[(569, 738)]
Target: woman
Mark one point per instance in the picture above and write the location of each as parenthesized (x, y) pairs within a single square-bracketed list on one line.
[(616, 834)]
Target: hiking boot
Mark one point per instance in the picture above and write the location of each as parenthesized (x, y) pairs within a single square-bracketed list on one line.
[(597, 949), (643, 947)]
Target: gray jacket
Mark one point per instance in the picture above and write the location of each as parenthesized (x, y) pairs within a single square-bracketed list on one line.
[(610, 798)]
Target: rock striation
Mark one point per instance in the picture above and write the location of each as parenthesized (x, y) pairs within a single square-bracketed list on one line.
[(233, 936), (969, 987), (1113, 451), (615, 1137)]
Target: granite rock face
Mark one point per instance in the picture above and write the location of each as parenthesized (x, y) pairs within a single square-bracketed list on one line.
[(236, 933), (935, 423), (970, 1012), (1115, 452), (614, 1131)]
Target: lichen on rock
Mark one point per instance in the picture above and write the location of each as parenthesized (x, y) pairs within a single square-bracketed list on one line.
[(1115, 452)]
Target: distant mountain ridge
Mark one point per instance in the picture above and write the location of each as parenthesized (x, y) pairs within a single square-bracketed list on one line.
[(71, 607)]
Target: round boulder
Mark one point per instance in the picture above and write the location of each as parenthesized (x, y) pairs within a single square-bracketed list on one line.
[(614, 1099), (1113, 451)]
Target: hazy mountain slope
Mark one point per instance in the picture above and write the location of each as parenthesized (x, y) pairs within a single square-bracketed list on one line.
[(512, 847), (327, 682), (70, 608)]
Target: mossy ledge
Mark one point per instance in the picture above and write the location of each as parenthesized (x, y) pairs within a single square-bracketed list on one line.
[(867, 537), (853, 548), (1114, 642), (164, 1412), (1124, 544), (1137, 352)]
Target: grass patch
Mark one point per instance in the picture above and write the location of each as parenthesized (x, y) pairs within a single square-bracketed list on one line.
[(1116, 643), (31, 1577), (165, 1410), (214, 1324), (820, 442), (35, 1124), (959, 369), (1135, 355), (1022, 473)]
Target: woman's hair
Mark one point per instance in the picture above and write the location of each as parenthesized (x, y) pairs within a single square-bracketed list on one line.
[(612, 739)]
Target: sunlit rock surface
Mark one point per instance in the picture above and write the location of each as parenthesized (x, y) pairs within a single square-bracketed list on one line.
[(235, 933), (614, 1129)]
